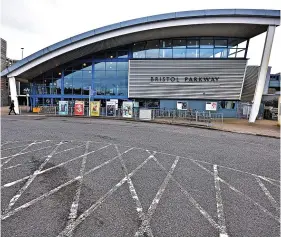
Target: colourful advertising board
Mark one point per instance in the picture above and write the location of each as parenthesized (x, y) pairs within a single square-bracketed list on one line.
[(95, 108), (127, 109), (79, 108), (110, 108), (63, 107)]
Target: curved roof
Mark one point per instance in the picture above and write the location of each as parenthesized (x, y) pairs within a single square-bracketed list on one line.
[(248, 16)]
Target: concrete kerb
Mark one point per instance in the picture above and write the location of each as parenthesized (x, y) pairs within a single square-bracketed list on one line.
[(157, 122)]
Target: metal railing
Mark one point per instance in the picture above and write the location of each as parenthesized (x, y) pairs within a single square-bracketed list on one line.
[(176, 116)]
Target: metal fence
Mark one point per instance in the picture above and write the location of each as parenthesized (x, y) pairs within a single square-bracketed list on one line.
[(175, 116)]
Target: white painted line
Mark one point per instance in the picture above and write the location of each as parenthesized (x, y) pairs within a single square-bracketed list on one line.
[(192, 200), (91, 209), (31, 178), (222, 166), (12, 148), (51, 168), (28, 204), (22, 153), (74, 206), (242, 194), (63, 185), (157, 198), (135, 197), (43, 171), (268, 195), (269, 180), (221, 218), (10, 167)]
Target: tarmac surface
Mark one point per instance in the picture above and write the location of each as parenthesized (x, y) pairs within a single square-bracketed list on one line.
[(84, 177)]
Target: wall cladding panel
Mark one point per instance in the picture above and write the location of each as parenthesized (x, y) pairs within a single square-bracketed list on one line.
[(143, 75)]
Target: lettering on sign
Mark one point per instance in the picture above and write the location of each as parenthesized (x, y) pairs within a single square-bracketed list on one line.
[(184, 79)]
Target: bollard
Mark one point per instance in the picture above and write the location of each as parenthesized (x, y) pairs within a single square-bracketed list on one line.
[(196, 116)]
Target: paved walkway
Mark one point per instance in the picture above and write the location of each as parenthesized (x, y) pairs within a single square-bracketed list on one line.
[(260, 127)]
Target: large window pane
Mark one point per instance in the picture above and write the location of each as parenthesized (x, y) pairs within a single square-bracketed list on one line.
[(165, 53), (99, 66), (179, 53), (166, 43), (232, 42), (77, 74), (152, 53), (206, 43), (232, 53), (179, 43), (206, 53), (110, 74), (192, 53), (220, 53), (87, 74), (99, 74), (111, 66), (242, 44), (122, 54), (240, 53), (122, 65), (220, 43), (192, 43), (122, 74), (139, 54), (152, 44)]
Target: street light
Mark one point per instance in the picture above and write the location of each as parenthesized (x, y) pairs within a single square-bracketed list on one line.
[(22, 53)]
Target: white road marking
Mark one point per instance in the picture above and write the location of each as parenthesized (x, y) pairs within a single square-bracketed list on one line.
[(5, 216), (135, 197), (221, 218), (242, 194), (92, 208), (22, 153), (28, 204), (74, 206), (222, 166), (268, 195), (18, 153), (31, 178), (157, 198), (13, 166), (49, 169), (12, 148), (192, 200)]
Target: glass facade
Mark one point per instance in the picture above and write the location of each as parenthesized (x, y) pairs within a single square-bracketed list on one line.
[(106, 72)]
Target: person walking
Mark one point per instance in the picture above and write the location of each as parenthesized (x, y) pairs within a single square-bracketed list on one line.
[(12, 108)]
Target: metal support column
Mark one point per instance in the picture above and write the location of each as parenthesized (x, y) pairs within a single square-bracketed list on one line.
[(13, 90), (262, 73)]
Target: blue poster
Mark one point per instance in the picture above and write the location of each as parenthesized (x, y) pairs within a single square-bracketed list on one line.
[(63, 107)]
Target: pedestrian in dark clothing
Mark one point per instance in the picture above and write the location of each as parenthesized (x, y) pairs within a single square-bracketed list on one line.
[(12, 107)]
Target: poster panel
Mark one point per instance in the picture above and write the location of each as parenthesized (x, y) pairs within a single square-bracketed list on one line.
[(63, 107), (127, 109), (181, 105), (79, 108), (95, 108), (211, 106), (116, 103), (110, 108)]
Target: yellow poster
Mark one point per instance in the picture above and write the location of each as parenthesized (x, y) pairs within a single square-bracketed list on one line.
[(95, 108)]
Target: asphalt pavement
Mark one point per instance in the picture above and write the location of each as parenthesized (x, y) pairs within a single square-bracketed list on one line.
[(86, 177)]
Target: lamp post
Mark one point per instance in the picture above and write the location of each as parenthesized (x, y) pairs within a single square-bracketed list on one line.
[(26, 92), (22, 53)]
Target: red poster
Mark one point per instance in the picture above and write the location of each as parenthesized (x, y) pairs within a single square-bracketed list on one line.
[(79, 108)]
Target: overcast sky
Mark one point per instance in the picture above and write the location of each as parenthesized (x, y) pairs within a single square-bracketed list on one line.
[(35, 24)]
